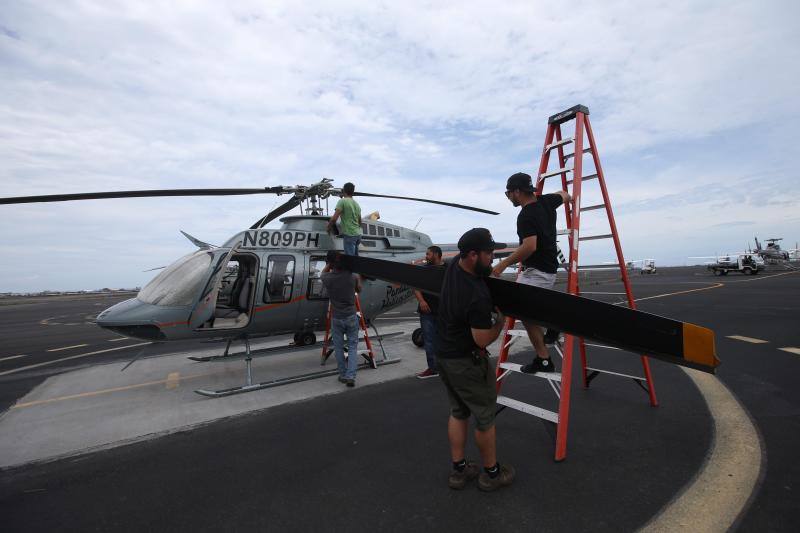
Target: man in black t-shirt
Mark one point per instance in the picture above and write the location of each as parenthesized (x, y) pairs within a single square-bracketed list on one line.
[(428, 310), (466, 326), (538, 251)]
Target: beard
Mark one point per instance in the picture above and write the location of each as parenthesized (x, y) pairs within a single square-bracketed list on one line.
[(483, 271)]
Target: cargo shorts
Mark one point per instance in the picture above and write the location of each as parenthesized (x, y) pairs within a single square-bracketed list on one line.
[(471, 389)]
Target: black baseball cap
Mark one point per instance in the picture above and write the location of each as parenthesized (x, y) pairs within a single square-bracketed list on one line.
[(520, 181), (478, 239)]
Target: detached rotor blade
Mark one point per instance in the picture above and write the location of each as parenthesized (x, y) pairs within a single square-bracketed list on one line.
[(137, 194), (662, 338), (275, 213), (448, 204)]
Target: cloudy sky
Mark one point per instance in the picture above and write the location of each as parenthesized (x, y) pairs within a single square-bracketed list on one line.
[(693, 104)]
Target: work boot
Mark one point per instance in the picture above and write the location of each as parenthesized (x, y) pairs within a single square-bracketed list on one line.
[(503, 479), (539, 364), (350, 382), (458, 480)]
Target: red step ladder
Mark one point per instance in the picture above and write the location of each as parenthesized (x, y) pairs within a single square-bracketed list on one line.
[(369, 355), (560, 383)]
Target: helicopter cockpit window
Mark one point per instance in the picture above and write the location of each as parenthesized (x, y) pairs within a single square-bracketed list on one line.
[(280, 278), (316, 290), (179, 283)]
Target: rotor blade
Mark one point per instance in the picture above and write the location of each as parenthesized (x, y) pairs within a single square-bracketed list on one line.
[(459, 206), (663, 338), (275, 213), (137, 194)]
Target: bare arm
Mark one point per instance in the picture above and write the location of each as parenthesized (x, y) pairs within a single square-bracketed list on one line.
[(485, 337), (524, 251), (423, 305), (565, 196), (334, 218)]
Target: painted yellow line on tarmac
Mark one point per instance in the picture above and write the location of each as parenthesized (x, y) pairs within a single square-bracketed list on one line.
[(791, 349), (720, 492), (173, 380), (100, 392), (37, 365), (715, 286), (67, 348), (9, 358), (747, 339), (763, 277)]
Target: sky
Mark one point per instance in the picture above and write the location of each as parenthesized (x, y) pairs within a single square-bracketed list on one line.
[(693, 107)]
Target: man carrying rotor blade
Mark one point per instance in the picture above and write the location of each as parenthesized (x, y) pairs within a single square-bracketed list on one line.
[(538, 252)]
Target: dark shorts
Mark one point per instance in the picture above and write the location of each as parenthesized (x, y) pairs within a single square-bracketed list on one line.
[(471, 389)]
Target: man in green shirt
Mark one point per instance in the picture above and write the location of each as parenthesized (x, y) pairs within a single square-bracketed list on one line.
[(350, 212)]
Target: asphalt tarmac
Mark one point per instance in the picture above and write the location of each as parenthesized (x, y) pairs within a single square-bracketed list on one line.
[(376, 457)]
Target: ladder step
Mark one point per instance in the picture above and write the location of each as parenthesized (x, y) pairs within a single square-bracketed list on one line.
[(584, 178), (568, 156), (592, 207), (514, 367), (554, 173), (564, 231), (528, 409), (558, 143), (637, 378), (596, 237)]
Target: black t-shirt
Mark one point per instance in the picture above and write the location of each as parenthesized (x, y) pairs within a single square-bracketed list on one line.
[(431, 299), (539, 218), (465, 303)]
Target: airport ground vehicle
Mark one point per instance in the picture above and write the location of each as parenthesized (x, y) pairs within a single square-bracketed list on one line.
[(748, 264)]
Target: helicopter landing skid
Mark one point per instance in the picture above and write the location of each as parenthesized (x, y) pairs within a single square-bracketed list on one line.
[(249, 386)]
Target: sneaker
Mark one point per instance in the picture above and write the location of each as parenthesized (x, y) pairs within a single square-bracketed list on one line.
[(539, 365), (427, 373), (551, 336), (458, 480), (350, 382), (503, 479)]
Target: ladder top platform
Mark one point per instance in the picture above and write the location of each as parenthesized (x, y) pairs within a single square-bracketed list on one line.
[(568, 114)]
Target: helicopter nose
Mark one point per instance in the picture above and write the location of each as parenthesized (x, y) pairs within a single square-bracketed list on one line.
[(131, 318)]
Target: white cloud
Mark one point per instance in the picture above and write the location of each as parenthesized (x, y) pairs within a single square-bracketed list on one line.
[(441, 101)]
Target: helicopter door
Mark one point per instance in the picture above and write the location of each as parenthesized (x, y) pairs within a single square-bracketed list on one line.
[(279, 292), (204, 309), (315, 306)]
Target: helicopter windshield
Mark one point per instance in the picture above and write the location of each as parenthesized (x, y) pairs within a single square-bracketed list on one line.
[(179, 283)]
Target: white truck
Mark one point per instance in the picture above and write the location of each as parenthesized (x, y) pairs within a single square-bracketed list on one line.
[(748, 264)]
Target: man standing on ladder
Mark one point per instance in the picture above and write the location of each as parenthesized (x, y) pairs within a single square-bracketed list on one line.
[(538, 252), (350, 212), (466, 327), (342, 286), (428, 312)]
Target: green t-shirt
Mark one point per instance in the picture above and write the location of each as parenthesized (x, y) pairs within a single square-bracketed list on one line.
[(350, 216)]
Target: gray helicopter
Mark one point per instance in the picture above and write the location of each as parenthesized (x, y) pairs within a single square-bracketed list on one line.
[(261, 281), (773, 250)]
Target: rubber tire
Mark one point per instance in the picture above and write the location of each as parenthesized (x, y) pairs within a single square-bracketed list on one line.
[(717, 272), (747, 271), (307, 338), (297, 338), (417, 338)]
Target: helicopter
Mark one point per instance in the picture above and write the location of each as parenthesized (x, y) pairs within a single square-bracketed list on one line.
[(261, 281), (773, 250)]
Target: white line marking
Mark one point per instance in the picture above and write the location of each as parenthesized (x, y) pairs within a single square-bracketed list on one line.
[(721, 490), (791, 349), (747, 339), (118, 339), (67, 347), (585, 292), (12, 357), (37, 365)]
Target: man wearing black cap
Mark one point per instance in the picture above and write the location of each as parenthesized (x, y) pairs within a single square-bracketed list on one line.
[(465, 328), (538, 251)]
